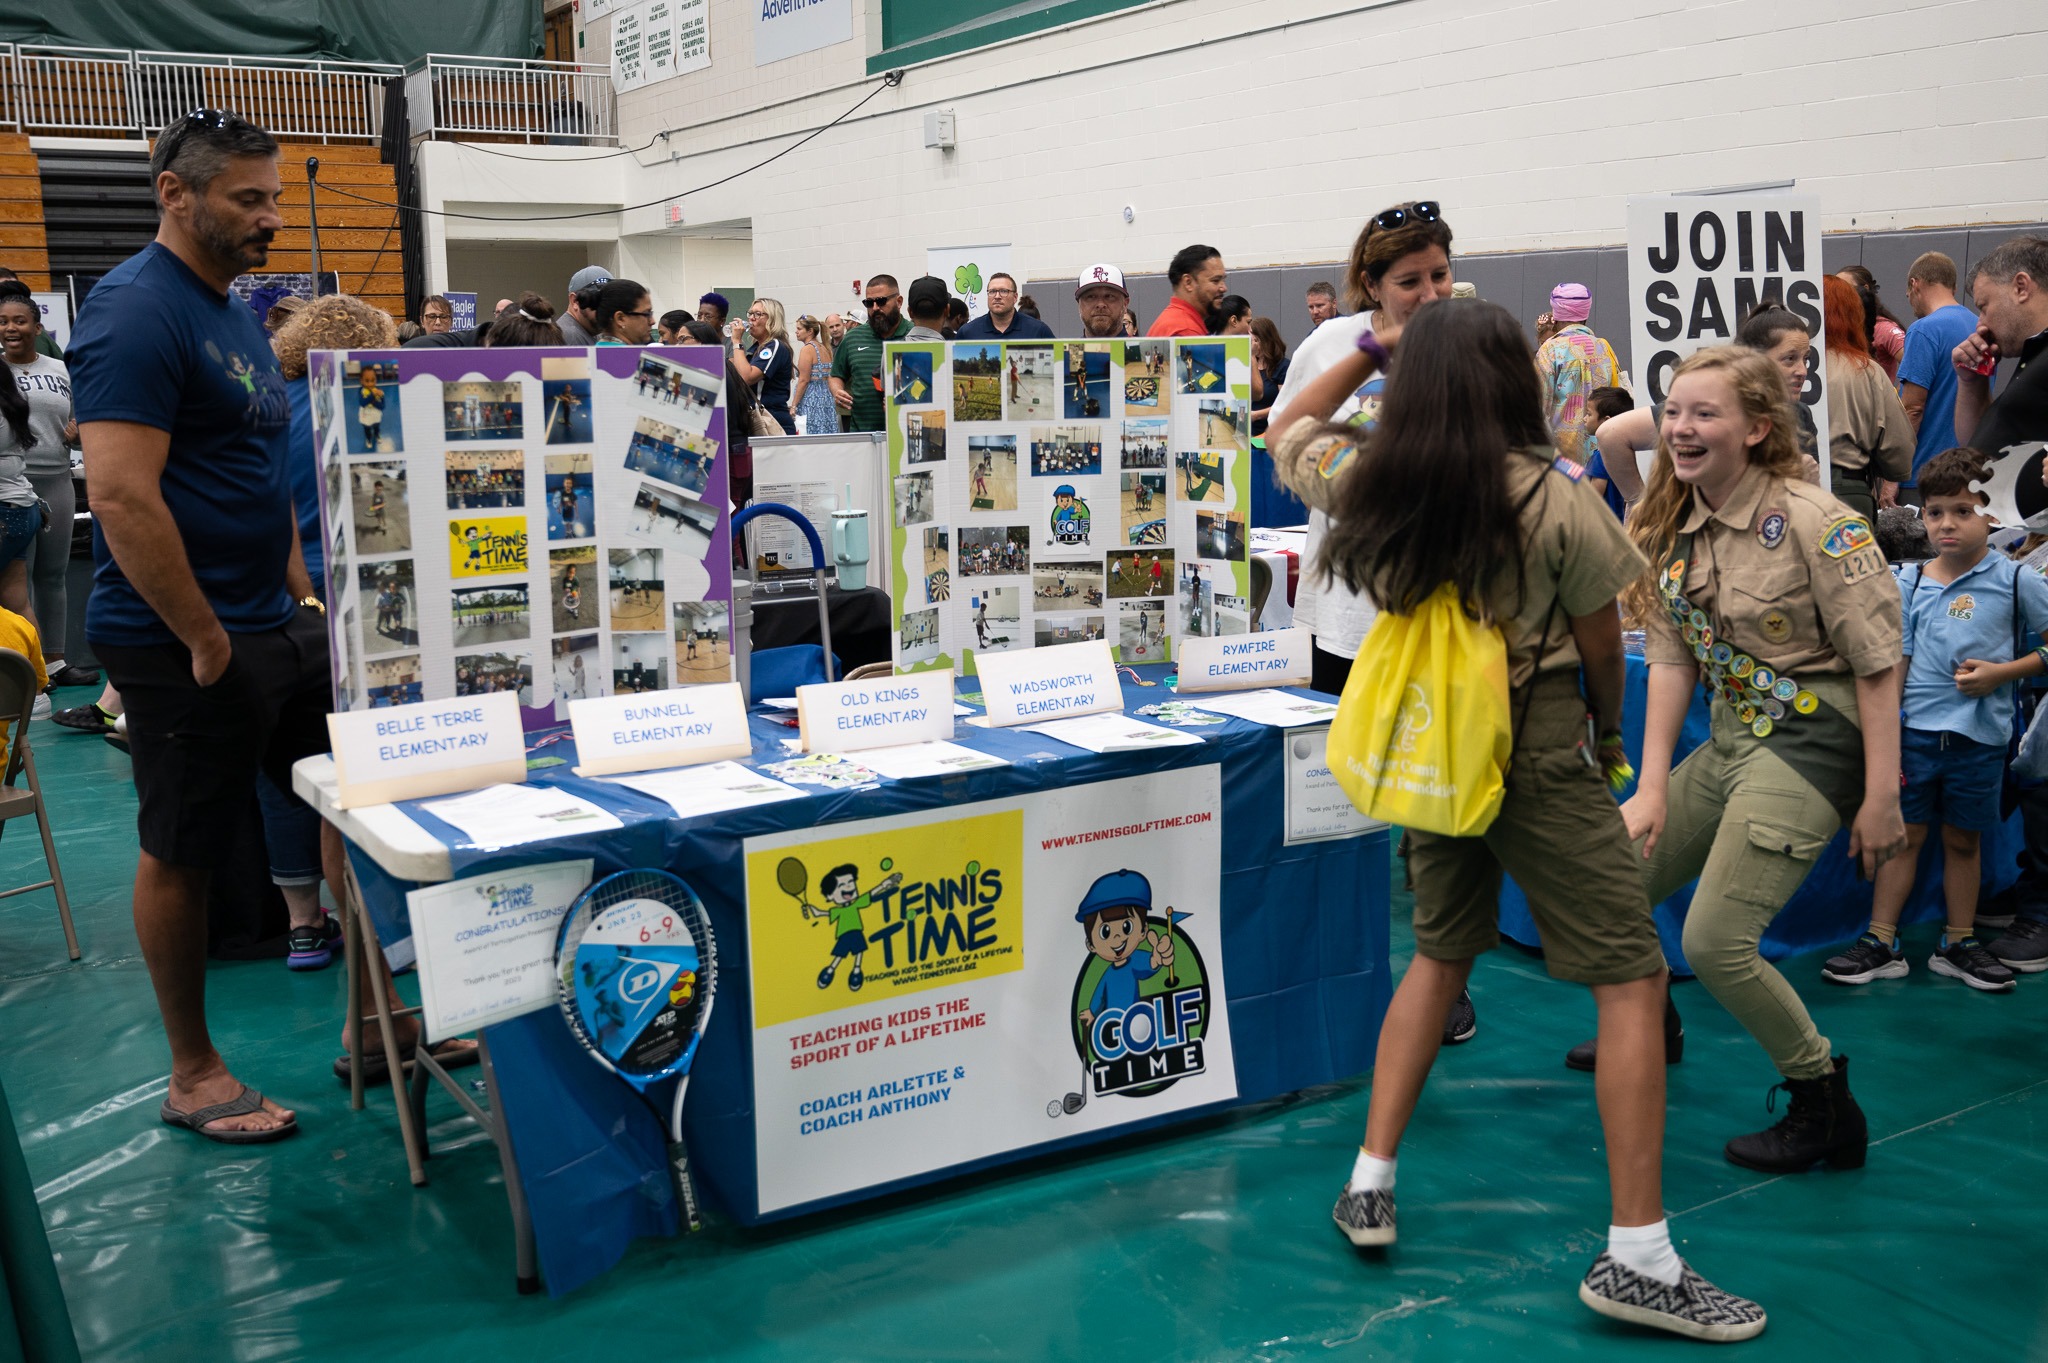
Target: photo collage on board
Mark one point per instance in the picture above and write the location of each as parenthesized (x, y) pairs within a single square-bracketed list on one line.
[(577, 525), (1054, 492)]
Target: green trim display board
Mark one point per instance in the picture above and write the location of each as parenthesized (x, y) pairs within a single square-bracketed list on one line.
[(923, 30), (1049, 492)]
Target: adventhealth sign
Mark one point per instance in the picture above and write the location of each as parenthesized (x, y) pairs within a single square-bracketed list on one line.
[(784, 28)]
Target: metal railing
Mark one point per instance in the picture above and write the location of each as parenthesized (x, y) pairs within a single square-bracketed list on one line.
[(115, 92), (535, 101)]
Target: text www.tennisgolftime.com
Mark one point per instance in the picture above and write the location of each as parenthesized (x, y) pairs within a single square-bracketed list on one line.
[(1127, 830)]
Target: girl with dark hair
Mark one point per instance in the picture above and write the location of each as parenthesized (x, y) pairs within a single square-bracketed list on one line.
[(20, 513), (1870, 437), (1778, 595), (1232, 316), (45, 386), (1272, 504), (1458, 485), (1884, 333)]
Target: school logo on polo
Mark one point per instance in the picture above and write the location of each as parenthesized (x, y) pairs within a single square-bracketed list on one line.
[(1140, 1007), (1963, 607)]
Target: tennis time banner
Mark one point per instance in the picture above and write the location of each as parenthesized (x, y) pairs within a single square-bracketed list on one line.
[(1049, 492), (932, 989)]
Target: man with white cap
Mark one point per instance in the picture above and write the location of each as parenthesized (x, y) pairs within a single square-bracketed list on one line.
[(579, 315), (1573, 362), (1102, 298)]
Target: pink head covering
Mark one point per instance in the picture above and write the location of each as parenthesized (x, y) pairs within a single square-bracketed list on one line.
[(1571, 303)]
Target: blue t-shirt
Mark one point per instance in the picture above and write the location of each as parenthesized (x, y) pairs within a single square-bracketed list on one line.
[(1023, 327), (305, 462), (1926, 362), (1972, 617), (1118, 987), (157, 346), (1596, 467)]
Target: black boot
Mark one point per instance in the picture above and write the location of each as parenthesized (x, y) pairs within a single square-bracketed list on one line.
[(1586, 1054), (1822, 1123)]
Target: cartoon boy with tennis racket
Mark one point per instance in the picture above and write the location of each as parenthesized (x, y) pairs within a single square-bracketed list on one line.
[(843, 906)]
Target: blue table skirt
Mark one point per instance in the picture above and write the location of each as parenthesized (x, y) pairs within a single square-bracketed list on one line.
[(1304, 934), (1830, 908)]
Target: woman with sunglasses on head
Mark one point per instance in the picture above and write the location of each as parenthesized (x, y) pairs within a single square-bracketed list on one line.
[(1400, 263), (1459, 485)]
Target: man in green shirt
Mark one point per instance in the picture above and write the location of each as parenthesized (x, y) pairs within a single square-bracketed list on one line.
[(857, 360)]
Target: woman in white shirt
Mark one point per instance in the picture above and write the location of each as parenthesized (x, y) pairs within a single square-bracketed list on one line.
[(36, 431)]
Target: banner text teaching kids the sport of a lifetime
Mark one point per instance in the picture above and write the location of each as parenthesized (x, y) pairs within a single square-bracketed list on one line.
[(931, 989)]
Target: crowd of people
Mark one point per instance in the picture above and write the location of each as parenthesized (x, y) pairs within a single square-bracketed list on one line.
[(1430, 444)]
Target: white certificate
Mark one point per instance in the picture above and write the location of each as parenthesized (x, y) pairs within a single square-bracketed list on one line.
[(1318, 810), (486, 944)]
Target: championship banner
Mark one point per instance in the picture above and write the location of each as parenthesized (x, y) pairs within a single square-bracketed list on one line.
[(932, 989), (1051, 492), (550, 522), (1698, 263)]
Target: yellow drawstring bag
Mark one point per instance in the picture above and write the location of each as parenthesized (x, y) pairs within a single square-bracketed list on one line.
[(1423, 732)]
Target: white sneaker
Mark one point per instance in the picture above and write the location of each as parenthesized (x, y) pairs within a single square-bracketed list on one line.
[(41, 709)]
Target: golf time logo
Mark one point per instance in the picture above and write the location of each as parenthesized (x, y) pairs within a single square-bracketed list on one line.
[(838, 922), (482, 546), (1140, 1006), (1070, 517)]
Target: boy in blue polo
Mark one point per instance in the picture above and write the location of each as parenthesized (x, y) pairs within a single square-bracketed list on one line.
[(1969, 614)]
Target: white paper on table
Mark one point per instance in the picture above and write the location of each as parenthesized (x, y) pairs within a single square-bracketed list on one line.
[(486, 944), (710, 789), (1277, 708), (499, 816), (907, 761), (1111, 733)]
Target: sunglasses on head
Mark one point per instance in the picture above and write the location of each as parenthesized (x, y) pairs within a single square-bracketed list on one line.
[(211, 120), (1425, 210)]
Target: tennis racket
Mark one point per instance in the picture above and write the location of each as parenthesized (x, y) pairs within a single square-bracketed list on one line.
[(636, 971), (795, 880)]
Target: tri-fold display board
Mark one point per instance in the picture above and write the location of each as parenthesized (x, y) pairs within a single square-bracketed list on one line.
[(1049, 492), (549, 522)]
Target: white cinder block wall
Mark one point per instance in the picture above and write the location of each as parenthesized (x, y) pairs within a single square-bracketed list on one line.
[(1270, 128)]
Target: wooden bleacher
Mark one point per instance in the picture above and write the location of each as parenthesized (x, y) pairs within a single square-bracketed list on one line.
[(23, 246)]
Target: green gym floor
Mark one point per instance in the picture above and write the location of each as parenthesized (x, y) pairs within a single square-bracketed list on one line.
[(1211, 1243)]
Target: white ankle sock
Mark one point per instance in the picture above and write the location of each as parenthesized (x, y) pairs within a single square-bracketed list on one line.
[(1371, 1174), (1647, 1250)]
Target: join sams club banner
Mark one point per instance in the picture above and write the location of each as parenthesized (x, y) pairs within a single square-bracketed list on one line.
[(931, 989)]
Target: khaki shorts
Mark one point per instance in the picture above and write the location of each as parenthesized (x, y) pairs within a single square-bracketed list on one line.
[(1560, 835)]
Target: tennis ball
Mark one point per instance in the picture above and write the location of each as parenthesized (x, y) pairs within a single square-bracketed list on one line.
[(974, 868), (888, 863)]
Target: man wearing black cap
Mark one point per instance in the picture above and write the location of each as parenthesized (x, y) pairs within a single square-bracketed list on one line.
[(926, 303)]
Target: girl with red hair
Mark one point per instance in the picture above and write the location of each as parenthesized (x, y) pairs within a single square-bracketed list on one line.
[(1870, 438)]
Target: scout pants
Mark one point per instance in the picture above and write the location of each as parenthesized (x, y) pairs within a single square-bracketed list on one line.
[(1560, 835), (1750, 827)]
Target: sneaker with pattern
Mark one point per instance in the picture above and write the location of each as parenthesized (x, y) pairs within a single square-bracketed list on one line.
[(1366, 1218), (1693, 1307), (1968, 961), (1870, 959)]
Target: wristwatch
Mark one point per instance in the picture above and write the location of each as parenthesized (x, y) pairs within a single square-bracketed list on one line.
[(315, 602), (1369, 346)]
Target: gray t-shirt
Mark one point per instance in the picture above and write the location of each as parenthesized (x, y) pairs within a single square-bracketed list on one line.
[(572, 331), (46, 383)]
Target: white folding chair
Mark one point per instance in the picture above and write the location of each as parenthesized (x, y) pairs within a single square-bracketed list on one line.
[(17, 699)]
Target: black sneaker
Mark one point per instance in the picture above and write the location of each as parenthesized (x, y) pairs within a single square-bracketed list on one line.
[(2024, 946), (1998, 912), (67, 675), (1870, 959), (1463, 1023), (1367, 1219), (1694, 1307), (1968, 961), (313, 947)]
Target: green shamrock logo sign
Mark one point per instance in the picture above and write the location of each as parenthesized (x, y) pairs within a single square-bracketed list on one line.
[(967, 279)]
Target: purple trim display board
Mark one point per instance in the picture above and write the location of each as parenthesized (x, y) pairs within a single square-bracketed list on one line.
[(555, 522)]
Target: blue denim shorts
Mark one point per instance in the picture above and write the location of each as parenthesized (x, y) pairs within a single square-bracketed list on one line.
[(1951, 780), (19, 526)]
